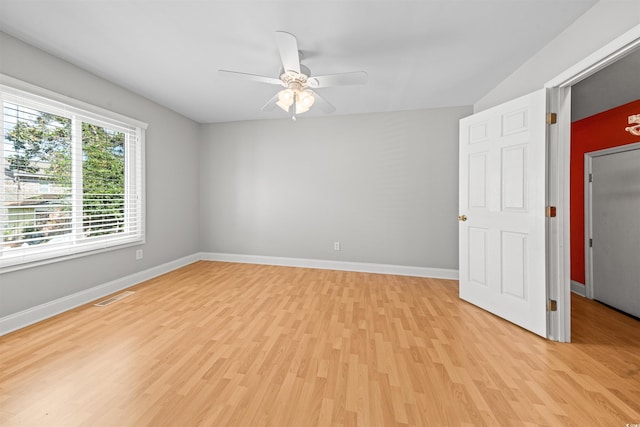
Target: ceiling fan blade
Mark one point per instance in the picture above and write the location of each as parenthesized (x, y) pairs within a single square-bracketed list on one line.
[(262, 79), (323, 104), (341, 79), (288, 47), (271, 104)]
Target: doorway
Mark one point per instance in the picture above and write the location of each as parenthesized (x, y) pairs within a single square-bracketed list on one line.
[(558, 179), (556, 139), (601, 105), (613, 199)]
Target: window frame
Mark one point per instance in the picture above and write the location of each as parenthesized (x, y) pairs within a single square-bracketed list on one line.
[(22, 93)]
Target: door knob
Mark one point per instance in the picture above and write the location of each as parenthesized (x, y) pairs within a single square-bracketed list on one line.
[(462, 217)]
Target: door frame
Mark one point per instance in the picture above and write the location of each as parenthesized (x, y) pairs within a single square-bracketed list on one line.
[(558, 178), (588, 206)]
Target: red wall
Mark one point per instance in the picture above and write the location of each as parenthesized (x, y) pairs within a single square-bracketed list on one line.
[(594, 133)]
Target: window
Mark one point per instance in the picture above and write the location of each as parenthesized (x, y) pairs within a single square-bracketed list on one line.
[(72, 179)]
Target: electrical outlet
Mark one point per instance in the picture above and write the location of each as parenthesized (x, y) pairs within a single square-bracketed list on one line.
[(336, 246), (139, 254)]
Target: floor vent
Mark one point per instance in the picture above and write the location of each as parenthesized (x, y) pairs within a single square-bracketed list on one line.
[(114, 299)]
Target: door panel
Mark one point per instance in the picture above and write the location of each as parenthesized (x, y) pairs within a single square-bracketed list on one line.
[(502, 194), (477, 256), (478, 186), (616, 230), (514, 268), (514, 184)]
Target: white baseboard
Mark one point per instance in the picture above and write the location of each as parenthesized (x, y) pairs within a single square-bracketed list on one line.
[(364, 267), (578, 288), (41, 312)]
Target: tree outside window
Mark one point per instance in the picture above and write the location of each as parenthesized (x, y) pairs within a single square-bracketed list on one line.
[(39, 154)]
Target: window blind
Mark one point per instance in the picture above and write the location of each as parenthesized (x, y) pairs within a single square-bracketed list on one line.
[(72, 181)]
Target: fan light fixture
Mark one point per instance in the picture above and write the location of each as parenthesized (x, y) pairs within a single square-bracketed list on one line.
[(296, 93), (303, 100), (634, 120), (297, 81)]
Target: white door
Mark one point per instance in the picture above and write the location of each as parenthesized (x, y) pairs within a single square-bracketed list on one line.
[(615, 225), (502, 211)]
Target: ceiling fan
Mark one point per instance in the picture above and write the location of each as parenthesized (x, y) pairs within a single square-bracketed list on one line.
[(297, 96)]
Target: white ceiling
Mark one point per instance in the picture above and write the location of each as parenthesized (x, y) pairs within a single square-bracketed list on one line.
[(418, 54)]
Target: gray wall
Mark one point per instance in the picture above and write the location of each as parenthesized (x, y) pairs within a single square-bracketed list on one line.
[(605, 21), (171, 174), (384, 185)]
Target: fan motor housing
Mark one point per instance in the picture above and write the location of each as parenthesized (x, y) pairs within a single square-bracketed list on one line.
[(294, 80)]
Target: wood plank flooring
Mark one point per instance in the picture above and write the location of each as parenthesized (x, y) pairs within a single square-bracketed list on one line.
[(221, 344)]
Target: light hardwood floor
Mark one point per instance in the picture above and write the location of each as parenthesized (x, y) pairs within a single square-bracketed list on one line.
[(225, 344)]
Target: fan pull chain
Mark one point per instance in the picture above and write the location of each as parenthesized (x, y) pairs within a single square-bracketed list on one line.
[(293, 108)]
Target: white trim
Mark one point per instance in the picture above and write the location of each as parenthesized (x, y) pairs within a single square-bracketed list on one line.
[(578, 288), (65, 256), (34, 92), (75, 244), (49, 309), (601, 58), (588, 208), (559, 167), (363, 267), (559, 188), (587, 231), (614, 150)]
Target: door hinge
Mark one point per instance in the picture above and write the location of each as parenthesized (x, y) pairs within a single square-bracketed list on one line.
[(552, 118), (590, 243), (552, 305), (590, 177), (551, 212)]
